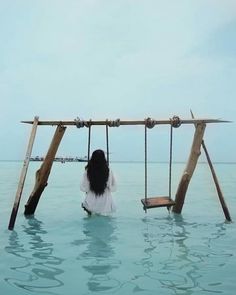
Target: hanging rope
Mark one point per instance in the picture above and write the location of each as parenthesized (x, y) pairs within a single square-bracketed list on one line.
[(158, 201), (110, 123), (107, 144), (170, 162), (145, 166), (149, 123), (80, 124), (89, 141), (175, 122)]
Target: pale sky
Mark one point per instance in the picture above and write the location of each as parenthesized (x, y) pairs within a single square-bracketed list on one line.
[(127, 59)]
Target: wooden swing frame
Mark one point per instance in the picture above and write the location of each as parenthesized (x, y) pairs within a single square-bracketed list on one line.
[(43, 173)]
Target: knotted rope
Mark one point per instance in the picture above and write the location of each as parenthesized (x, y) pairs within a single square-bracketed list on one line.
[(175, 121), (149, 123), (113, 123), (81, 123)]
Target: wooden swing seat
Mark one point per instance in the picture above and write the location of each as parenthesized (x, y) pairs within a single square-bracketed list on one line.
[(155, 202)]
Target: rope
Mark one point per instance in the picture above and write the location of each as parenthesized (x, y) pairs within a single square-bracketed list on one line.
[(110, 123), (89, 141), (79, 123), (113, 123), (88, 124), (149, 123), (175, 122), (145, 166), (107, 143), (170, 161)]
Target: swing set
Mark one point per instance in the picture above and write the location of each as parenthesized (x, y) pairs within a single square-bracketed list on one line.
[(43, 173), (163, 201)]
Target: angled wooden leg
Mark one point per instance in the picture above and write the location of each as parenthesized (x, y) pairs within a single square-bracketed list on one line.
[(23, 175), (43, 173), (220, 194), (190, 167)]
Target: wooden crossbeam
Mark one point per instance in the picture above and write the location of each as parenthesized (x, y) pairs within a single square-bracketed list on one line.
[(126, 122)]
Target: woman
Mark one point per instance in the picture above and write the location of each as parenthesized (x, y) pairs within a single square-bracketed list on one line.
[(98, 182)]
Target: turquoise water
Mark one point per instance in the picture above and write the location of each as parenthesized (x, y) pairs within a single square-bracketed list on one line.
[(62, 251)]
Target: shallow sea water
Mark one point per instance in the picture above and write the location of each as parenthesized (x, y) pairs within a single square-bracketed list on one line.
[(62, 251)]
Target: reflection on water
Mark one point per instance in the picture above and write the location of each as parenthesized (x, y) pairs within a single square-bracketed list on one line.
[(37, 269), (181, 267), (175, 263), (98, 258), (150, 255)]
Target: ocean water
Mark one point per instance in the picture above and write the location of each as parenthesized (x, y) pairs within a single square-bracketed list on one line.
[(60, 250)]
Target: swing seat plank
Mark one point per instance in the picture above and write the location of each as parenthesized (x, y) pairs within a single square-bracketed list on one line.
[(155, 202)]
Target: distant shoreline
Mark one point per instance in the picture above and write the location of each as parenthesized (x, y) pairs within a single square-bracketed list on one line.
[(128, 161)]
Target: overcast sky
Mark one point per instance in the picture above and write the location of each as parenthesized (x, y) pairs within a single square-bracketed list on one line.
[(127, 59)]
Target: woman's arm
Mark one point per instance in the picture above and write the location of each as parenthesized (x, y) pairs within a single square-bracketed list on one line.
[(112, 181), (84, 184)]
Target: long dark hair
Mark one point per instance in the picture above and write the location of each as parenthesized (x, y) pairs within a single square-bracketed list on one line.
[(98, 172)]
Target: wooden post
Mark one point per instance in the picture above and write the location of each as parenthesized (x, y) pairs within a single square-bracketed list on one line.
[(43, 173), (220, 194), (190, 167), (23, 175)]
